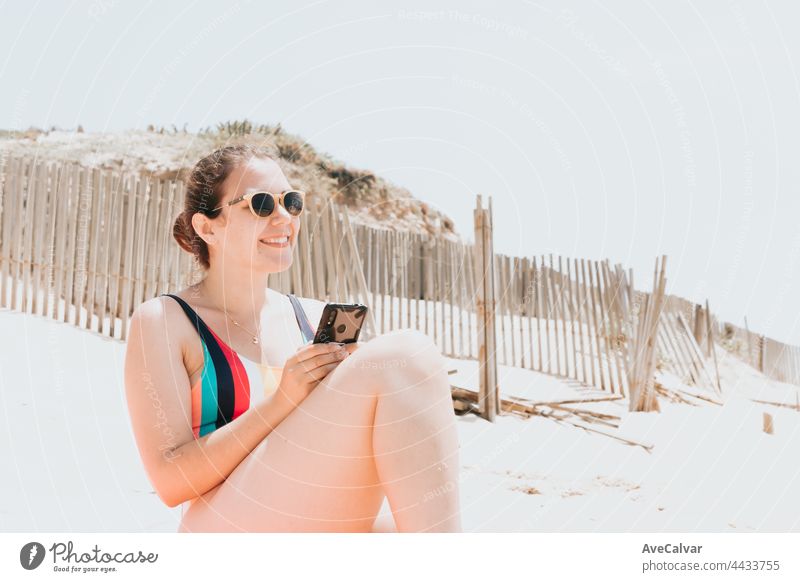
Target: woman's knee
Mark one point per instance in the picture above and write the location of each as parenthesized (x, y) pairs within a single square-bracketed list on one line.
[(403, 343), (399, 359)]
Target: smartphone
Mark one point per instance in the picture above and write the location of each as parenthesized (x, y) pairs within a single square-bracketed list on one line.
[(340, 322)]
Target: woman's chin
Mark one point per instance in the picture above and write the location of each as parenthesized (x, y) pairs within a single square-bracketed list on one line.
[(274, 259), (274, 264)]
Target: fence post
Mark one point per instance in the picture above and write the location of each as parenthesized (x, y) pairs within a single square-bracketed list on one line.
[(749, 343), (488, 397), (355, 273), (641, 389), (711, 344), (700, 327)]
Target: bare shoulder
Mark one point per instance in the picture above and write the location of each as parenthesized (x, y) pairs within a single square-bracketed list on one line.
[(160, 308), (162, 315)]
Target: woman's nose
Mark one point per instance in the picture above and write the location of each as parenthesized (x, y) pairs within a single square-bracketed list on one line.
[(281, 214)]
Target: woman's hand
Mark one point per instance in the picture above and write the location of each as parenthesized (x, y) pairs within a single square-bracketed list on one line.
[(308, 367)]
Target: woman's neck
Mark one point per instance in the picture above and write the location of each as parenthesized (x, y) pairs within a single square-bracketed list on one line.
[(243, 297)]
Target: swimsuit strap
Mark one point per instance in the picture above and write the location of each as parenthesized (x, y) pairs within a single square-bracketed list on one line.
[(302, 319), (226, 387)]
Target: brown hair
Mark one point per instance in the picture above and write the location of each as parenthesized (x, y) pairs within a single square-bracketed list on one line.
[(204, 192)]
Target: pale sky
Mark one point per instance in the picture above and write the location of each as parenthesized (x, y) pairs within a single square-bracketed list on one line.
[(618, 130)]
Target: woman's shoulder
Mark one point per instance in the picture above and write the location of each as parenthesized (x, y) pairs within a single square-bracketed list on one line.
[(162, 311), (161, 321), (160, 305)]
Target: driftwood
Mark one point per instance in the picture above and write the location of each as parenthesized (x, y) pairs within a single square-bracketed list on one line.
[(674, 395), (679, 394), (580, 411), (782, 404), (572, 401), (555, 411)]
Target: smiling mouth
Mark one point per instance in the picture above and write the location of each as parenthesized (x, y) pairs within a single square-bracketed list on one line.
[(278, 242)]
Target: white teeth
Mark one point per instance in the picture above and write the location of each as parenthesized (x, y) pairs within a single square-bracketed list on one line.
[(280, 240)]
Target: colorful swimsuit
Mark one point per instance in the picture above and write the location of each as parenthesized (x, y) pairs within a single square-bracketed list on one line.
[(223, 391)]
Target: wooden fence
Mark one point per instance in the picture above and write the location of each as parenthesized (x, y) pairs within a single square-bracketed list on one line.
[(86, 246), (775, 359)]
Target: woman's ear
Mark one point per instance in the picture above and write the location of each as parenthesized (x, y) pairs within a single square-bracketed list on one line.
[(204, 228)]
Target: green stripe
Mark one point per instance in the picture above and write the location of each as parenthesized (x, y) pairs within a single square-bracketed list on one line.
[(208, 400)]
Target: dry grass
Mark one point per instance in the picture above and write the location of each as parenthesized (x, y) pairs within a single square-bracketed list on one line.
[(170, 152)]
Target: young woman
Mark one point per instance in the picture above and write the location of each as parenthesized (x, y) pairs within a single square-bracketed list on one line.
[(311, 445)]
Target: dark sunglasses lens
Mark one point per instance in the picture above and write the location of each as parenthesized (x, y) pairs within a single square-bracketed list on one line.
[(293, 201), (263, 204)]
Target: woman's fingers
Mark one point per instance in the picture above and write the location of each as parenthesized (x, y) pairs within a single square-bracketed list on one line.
[(352, 347), (309, 351), (327, 358), (308, 365), (316, 361), (319, 373)]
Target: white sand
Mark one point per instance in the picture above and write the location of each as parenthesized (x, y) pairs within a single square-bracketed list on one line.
[(71, 463)]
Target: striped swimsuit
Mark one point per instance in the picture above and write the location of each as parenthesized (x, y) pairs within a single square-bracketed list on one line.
[(223, 391)]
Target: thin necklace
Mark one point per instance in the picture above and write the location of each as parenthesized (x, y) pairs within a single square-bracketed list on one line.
[(255, 336), (236, 323)]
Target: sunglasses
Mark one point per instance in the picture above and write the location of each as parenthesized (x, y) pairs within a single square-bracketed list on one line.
[(262, 204)]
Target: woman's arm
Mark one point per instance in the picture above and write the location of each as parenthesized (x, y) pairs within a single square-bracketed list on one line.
[(201, 464), (157, 388)]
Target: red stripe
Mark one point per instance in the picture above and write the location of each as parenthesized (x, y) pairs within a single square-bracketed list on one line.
[(241, 383)]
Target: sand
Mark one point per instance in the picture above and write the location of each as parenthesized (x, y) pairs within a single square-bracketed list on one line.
[(71, 463)]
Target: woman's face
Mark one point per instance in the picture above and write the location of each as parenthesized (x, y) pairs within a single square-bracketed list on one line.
[(242, 234)]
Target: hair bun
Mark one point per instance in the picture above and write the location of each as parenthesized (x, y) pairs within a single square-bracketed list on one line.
[(180, 232)]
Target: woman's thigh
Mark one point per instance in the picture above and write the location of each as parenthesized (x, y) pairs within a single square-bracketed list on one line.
[(314, 472)]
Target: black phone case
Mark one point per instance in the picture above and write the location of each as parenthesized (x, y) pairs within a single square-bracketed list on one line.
[(340, 322)]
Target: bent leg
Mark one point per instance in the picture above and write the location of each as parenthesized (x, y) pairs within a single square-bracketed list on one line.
[(415, 439), (381, 423)]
